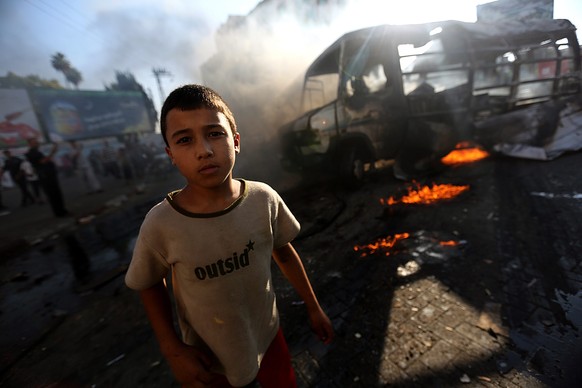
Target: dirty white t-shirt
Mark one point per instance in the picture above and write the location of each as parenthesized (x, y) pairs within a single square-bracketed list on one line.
[(221, 273)]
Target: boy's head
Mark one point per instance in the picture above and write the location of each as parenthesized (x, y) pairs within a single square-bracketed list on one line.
[(191, 97)]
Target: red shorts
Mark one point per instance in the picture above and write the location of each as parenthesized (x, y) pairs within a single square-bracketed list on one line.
[(276, 370)]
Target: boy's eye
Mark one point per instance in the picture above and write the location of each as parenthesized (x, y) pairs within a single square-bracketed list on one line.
[(183, 139), (216, 133)]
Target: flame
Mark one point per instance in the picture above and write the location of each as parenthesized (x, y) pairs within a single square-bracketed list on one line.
[(386, 245), (450, 243), (427, 195), (464, 153), (382, 244)]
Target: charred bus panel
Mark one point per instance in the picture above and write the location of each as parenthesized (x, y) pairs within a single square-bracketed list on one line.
[(412, 92)]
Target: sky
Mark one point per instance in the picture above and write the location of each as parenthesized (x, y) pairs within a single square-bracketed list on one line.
[(103, 36), (100, 37)]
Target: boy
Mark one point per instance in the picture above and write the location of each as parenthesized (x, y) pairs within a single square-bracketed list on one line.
[(217, 236)]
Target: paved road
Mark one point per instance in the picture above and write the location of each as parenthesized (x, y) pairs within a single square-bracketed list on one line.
[(25, 226), (502, 308), (484, 291)]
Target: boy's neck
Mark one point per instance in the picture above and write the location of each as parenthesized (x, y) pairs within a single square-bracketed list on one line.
[(196, 199)]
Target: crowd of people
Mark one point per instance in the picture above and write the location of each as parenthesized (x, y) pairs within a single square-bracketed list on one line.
[(36, 173)]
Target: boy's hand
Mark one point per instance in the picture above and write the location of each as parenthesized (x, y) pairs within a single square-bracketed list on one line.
[(290, 264), (190, 366), (321, 325)]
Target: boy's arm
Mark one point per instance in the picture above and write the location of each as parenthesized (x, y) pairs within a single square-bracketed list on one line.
[(290, 264), (187, 363)]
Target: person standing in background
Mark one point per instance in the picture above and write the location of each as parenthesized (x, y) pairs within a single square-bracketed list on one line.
[(85, 168), (47, 174), (109, 160), (95, 161), (3, 209), (33, 181), (125, 163), (12, 165)]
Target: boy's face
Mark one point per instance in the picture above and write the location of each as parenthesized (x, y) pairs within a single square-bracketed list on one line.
[(201, 145)]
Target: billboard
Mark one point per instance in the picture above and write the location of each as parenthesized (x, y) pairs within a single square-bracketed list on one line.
[(76, 115), (522, 10), (18, 120)]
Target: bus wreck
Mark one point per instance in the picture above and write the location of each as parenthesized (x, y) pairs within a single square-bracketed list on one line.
[(412, 92)]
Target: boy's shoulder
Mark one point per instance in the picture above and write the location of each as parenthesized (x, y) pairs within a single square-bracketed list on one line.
[(257, 188), (256, 185), (159, 210)]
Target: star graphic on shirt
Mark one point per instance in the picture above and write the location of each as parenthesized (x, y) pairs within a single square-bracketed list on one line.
[(251, 245)]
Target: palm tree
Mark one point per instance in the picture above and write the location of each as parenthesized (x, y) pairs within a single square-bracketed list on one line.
[(60, 63), (73, 76)]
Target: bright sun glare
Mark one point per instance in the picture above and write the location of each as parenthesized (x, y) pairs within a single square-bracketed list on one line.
[(412, 11)]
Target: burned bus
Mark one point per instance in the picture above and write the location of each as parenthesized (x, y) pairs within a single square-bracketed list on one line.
[(410, 93)]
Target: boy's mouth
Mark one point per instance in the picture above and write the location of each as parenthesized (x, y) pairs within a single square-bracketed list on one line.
[(208, 169)]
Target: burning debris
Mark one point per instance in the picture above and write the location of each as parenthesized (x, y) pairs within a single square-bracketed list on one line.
[(383, 245), (464, 153), (423, 246), (427, 194)]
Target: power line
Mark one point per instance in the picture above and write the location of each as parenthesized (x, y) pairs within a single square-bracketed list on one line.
[(54, 14), (158, 72), (67, 19), (121, 38), (82, 14)]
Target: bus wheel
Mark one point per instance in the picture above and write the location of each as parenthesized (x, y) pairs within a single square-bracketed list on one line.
[(351, 168)]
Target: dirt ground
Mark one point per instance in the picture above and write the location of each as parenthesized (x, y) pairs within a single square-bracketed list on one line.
[(514, 243)]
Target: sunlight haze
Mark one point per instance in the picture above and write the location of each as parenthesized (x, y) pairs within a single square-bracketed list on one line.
[(105, 36)]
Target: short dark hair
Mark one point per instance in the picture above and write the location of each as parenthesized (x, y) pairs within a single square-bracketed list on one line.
[(191, 97)]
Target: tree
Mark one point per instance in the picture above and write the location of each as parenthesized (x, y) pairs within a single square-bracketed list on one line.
[(62, 64), (126, 81), (73, 76), (14, 81)]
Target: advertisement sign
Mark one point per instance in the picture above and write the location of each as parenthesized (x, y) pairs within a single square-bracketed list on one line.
[(75, 115), (522, 10), (17, 119)]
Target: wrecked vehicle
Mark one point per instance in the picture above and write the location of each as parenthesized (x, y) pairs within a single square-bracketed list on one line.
[(412, 92)]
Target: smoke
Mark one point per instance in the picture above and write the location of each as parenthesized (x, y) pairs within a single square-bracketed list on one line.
[(256, 62), (258, 68), (176, 39)]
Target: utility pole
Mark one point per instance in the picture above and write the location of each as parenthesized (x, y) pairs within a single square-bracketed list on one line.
[(158, 73)]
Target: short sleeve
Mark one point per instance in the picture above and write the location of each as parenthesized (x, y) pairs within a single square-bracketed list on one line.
[(148, 266), (286, 227)]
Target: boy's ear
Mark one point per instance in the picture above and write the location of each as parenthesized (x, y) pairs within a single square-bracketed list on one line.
[(170, 155), (237, 142)]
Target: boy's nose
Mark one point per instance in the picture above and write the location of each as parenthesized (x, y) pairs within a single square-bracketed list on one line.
[(204, 150)]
